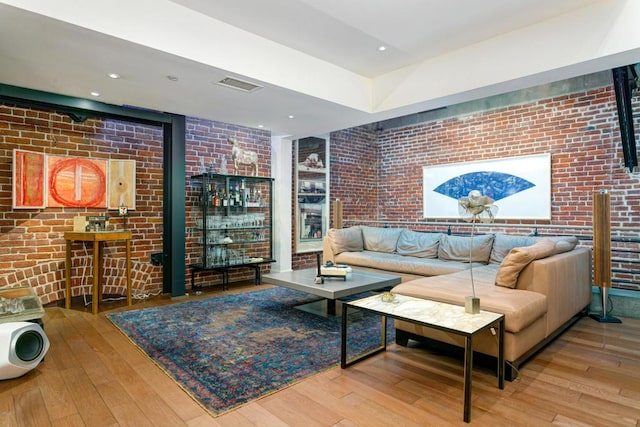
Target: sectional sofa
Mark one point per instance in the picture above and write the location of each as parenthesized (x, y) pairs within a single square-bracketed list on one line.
[(541, 284)]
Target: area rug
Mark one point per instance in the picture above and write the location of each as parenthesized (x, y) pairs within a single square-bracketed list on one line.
[(229, 350)]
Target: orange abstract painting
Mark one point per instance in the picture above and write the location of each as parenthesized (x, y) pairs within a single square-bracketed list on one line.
[(29, 171), (77, 182)]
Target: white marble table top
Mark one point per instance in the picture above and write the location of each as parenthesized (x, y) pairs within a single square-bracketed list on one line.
[(432, 313)]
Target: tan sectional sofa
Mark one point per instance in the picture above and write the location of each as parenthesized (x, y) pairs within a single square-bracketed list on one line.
[(541, 285)]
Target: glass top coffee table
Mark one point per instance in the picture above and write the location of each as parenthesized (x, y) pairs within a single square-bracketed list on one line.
[(431, 314), (332, 288)]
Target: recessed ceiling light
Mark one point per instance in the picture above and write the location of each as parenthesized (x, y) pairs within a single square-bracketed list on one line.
[(95, 93), (260, 126), (172, 78), (382, 48), (114, 75), (292, 116)]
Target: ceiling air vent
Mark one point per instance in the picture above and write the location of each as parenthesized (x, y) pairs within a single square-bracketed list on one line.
[(239, 84)]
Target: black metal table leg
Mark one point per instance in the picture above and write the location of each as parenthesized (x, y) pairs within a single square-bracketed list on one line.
[(468, 369)]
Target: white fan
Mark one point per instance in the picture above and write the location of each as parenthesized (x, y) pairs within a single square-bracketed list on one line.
[(475, 207)]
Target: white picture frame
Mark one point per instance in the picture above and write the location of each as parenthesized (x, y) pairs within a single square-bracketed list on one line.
[(520, 186)]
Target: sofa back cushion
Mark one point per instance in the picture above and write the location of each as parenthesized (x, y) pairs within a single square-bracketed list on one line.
[(563, 243), (456, 248), (345, 239), (421, 245), (380, 239), (503, 243), (518, 258)]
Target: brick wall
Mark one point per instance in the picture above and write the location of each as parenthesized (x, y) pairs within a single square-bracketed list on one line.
[(580, 131), (32, 248)]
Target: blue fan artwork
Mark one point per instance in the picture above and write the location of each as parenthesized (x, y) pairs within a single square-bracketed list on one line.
[(497, 185)]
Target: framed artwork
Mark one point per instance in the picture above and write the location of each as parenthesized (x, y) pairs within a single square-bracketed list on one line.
[(76, 182), (122, 184), (312, 193), (520, 186), (29, 180)]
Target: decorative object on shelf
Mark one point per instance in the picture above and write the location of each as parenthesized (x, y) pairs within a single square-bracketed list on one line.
[(312, 189), (203, 168), (223, 166), (472, 208), (602, 253), (313, 161), (241, 156), (123, 211), (96, 223)]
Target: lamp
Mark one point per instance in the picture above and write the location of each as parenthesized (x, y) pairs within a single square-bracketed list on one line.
[(472, 208)]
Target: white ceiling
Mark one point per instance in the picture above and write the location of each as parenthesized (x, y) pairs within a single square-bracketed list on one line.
[(316, 59)]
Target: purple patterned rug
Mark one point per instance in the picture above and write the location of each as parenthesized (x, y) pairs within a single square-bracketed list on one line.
[(226, 351)]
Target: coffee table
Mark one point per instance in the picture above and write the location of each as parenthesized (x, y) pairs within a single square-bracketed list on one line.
[(432, 314), (332, 289)]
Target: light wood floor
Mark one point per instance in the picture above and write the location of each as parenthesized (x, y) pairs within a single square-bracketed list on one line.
[(93, 376)]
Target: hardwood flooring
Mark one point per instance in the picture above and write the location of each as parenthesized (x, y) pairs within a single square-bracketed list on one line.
[(94, 376)]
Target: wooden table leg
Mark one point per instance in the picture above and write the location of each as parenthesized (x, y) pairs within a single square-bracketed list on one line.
[(67, 272), (96, 277), (128, 272)]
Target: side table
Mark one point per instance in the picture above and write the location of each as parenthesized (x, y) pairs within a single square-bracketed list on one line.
[(432, 314), (98, 238)]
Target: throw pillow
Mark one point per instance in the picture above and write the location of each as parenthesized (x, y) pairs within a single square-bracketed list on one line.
[(345, 239), (456, 248), (380, 239), (518, 258), (421, 245), (564, 243), (503, 243)]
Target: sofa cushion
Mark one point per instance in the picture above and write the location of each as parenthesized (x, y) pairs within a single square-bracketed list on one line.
[(380, 239), (421, 245), (563, 243), (402, 264), (503, 243), (520, 307), (345, 239), (518, 258), (456, 248)]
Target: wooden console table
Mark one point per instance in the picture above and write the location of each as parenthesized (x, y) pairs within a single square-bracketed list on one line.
[(97, 237)]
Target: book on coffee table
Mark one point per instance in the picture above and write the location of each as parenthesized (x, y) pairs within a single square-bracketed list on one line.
[(335, 270)]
